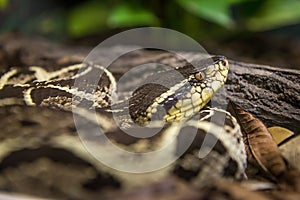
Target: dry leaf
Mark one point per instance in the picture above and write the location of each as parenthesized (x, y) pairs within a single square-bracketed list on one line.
[(280, 134), (291, 151), (261, 145)]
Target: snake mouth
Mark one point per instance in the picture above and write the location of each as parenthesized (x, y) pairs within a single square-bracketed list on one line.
[(185, 106), (186, 97), (185, 109)]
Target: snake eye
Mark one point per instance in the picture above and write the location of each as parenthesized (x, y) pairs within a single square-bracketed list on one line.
[(199, 76), (223, 63)]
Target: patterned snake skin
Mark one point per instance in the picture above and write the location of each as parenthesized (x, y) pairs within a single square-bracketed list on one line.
[(172, 101)]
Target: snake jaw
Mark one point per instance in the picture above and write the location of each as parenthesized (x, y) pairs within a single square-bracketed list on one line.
[(199, 89), (185, 98)]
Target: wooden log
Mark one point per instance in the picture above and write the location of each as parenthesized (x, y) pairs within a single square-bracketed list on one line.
[(271, 94)]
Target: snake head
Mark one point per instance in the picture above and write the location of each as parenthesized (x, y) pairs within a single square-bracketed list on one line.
[(219, 68), (199, 89), (185, 97)]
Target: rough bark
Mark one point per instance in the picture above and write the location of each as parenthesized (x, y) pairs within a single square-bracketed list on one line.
[(272, 94)]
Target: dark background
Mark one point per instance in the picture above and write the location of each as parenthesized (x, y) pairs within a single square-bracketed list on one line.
[(258, 31)]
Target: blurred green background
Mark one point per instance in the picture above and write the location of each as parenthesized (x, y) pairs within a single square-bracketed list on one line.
[(263, 30)]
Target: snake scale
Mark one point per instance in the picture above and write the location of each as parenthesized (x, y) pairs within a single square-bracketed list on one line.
[(178, 109)]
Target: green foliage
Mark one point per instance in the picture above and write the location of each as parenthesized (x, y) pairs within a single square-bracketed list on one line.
[(274, 13), (94, 16), (214, 11), (125, 15), (87, 18), (254, 15), (201, 19), (3, 4), (51, 23)]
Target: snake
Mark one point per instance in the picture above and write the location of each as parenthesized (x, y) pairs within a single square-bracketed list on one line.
[(173, 100)]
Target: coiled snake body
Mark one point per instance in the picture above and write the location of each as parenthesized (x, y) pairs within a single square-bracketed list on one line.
[(176, 105)]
